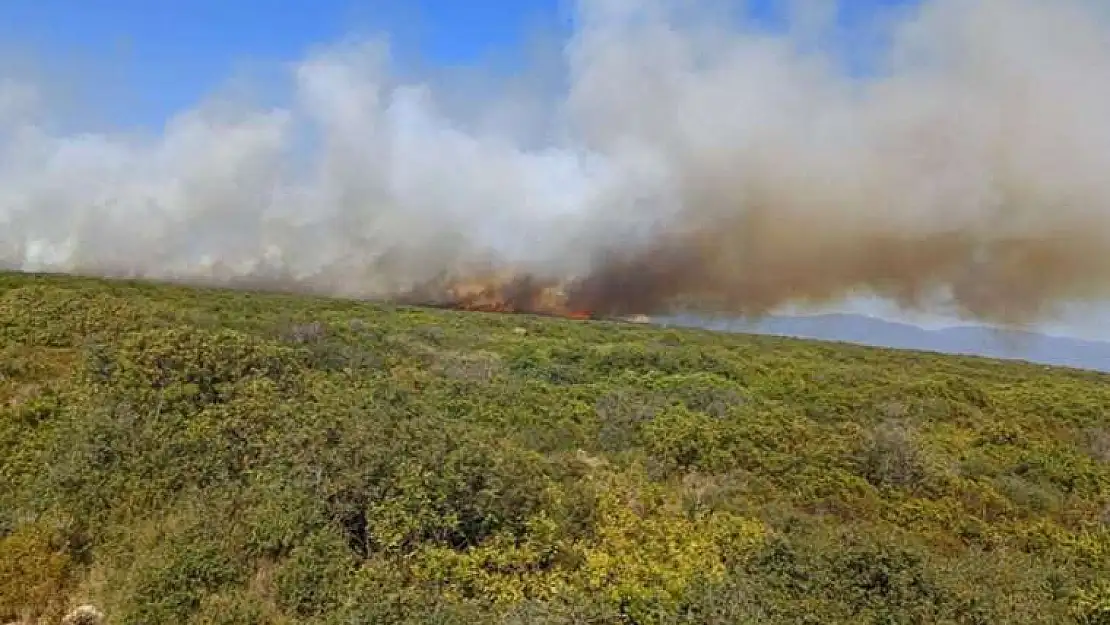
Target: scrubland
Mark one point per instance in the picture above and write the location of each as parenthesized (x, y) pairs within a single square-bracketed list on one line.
[(179, 455)]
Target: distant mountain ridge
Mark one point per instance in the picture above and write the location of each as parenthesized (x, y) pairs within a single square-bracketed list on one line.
[(968, 340)]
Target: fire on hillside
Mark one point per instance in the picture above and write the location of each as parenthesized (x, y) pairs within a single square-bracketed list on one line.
[(501, 294), (513, 294)]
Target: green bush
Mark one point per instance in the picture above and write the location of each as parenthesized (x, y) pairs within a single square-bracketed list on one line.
[(179, 455)]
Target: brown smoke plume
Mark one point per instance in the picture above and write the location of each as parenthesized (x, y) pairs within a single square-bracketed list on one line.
[(1005, 280), (963, 179), (692, 163)]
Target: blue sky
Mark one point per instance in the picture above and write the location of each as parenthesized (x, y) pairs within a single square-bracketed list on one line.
[(141, 60), (162, 56)]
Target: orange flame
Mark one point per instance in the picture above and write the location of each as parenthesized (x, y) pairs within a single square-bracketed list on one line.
[(500, 293)]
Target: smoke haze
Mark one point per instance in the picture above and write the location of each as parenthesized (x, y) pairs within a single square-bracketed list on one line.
[(690, 160)]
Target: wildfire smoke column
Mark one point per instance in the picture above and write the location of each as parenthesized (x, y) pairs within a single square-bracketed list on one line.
[(682, 158)]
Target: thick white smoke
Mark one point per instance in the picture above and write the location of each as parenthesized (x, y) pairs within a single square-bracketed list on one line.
[(971, 167), (360, 185)]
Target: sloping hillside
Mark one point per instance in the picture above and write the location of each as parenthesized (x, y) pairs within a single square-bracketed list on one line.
[(182, 456)]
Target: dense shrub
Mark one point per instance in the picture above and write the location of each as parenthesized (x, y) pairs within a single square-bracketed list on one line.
[(180, 455)]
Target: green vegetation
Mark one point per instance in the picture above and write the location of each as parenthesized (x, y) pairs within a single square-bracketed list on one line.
[(199, 456)]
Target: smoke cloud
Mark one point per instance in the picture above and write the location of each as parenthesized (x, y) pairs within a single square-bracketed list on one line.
[(691, 160)]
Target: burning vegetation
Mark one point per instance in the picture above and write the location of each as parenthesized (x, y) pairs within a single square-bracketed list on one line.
[(502, 293)]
